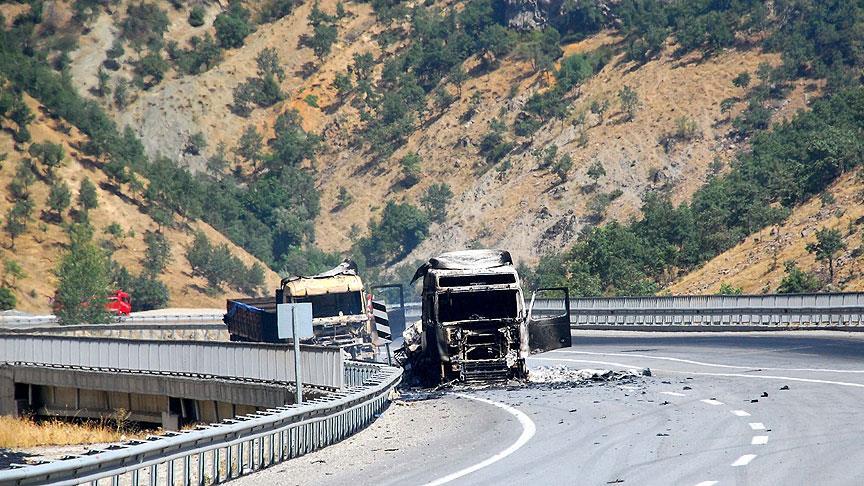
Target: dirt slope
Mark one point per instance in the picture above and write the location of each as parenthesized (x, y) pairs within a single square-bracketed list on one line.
[(756, 265), (39, 250)]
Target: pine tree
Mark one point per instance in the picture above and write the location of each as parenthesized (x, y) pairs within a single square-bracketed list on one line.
[(83, 281), (829, 242), (59, 198), (87, 197)]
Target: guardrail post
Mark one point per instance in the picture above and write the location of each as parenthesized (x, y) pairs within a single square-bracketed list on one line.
[(201, 468), (170, 475), (230, 469)]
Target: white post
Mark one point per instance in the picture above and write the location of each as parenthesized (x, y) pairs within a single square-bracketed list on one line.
[(298, 394)]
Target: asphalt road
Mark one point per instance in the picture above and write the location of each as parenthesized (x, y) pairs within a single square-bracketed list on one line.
[(714, 412)]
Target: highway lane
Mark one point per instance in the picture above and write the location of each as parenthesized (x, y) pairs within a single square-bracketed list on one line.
[(703, 418)]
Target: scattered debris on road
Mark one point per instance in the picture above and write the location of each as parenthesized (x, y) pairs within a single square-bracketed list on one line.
[(561, 374), (784, 387)]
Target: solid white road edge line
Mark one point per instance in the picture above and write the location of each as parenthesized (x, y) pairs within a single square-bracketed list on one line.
[(701, 363), (740, 413), (711, 401), (528, 430), (702, 373), (707, 483), (757, 426), (759, 440), (743, 460)]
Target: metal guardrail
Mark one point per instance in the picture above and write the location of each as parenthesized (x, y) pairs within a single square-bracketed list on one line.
[(15, 321), (779, 310), (229, 449), (322, 366)]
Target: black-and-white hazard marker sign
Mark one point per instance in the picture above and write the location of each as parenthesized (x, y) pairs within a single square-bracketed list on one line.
[(382, 323)]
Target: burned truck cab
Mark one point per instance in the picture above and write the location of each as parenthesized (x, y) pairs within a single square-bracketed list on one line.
[(473, 319)]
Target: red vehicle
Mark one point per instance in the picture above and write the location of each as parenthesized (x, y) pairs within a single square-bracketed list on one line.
[(118, 303)]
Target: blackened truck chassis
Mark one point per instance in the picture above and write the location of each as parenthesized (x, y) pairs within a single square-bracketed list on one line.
[(482, 350)]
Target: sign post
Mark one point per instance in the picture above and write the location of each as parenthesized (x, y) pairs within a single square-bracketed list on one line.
[(298, 380), (294, 321)]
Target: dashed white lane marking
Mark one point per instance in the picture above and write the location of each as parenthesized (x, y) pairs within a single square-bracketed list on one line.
[(740, 413), (743, 460), (702, 363), (674, 394), (711, 401), (759, 440), (707, 483), (757, 426), (700, 373), (528, 430)]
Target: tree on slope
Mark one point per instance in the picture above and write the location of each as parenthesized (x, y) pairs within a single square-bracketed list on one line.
[(829, 242), (83, 280)]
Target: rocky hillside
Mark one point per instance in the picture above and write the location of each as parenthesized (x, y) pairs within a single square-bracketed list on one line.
[(393, 130), (517, 205)]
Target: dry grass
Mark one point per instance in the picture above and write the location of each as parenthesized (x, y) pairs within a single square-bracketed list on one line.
[(26, 432)]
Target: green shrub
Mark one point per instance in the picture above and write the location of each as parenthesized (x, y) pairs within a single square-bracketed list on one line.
[(196, 16), (797, 281), (729, 289), (435, 200), (742, 80), (399, 230), (629, 102), (7, 299), (151, 69), (411, 170), (144, 25), (323, 32), (343, 198), (202, 55), (220, 267), (493, 145), (232, 26), (49, 154), (148, 293)]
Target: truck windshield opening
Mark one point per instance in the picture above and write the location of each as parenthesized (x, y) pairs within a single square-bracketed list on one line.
[(469, 280), (330, 305), (466, 306)]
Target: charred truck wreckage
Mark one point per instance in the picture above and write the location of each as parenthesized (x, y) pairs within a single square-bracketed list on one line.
[(475, 326), (339, 314)]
